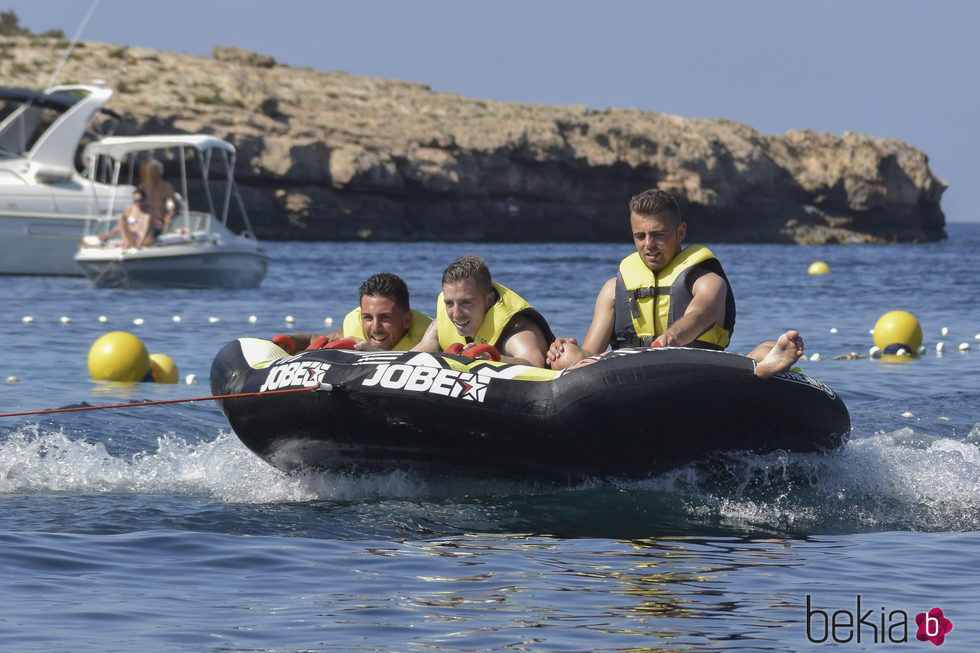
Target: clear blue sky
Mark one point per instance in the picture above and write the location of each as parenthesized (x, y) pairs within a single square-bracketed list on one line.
[(893, 68)]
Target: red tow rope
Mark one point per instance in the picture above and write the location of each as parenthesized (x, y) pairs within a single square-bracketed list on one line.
[(164, 401)]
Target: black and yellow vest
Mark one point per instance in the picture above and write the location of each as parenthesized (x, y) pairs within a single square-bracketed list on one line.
[(353, 328), (508, 305), (648, 302)]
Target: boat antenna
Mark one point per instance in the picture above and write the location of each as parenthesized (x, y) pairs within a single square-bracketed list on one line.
[(74, 40)]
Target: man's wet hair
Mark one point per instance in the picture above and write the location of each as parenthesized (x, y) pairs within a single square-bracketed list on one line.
[(655, 202), (386, 284), (469, 267)]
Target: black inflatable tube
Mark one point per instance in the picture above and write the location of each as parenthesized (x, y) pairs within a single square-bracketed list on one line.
[(631, 413)]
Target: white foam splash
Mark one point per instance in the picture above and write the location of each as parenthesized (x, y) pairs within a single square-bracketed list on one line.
[(899, 480), (36, 461)]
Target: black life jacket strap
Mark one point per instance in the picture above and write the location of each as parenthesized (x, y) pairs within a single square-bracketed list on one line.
[(632, 296)]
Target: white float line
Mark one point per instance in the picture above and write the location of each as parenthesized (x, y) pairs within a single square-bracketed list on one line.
[(177, 319)]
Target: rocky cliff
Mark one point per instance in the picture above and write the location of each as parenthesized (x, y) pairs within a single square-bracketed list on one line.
[(328, 155)]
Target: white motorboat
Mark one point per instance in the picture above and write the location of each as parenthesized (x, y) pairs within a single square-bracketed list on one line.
[(44, 201), (198, 249)]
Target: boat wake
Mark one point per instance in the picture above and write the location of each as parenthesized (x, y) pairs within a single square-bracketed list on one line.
[(900, 480), (34, 461)]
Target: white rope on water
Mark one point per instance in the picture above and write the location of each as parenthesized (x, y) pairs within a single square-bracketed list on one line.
[(941, 346), (177, 319)]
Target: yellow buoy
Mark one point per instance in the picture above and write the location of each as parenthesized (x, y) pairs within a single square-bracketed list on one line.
[(818, 267), (118, 356), (897, 330), (164, 368)]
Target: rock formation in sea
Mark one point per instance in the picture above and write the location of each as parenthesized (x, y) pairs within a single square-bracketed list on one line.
[(334, 156)]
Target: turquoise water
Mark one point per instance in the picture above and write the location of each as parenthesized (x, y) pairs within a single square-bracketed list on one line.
[(152, 528)]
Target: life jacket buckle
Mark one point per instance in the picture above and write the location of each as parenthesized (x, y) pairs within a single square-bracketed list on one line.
[(635, 295)]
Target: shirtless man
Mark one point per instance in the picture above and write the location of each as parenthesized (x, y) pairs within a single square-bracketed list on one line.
[(666, 296), (160, 193), (473, 310)]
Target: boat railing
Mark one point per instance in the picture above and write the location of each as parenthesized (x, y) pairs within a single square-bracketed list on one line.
[(185, 226), (190, 222)]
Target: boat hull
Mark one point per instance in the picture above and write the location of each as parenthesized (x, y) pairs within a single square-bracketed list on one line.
[(39, 245), (42, 224), (196, 265), (44, 202), (631, 414)]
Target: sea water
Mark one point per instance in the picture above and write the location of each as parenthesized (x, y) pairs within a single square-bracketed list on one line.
[(152, 528)]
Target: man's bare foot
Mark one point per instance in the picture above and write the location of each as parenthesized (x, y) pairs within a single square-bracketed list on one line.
[(782, 356)]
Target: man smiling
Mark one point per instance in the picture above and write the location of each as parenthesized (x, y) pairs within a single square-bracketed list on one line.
[(384, 320), (473, 310)]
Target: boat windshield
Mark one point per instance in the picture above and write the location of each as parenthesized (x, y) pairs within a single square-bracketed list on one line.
[(21, 125), (25, 116)]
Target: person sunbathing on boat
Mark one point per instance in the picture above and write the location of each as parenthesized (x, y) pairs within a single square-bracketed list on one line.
[(384, 320), (666, 296), (138, 224), (472, 310)]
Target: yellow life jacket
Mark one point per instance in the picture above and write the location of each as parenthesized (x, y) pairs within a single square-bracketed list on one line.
[(508, 304), (648, 302), (354, 328)]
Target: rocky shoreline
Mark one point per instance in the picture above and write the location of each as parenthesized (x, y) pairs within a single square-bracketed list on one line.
[(333, 156)]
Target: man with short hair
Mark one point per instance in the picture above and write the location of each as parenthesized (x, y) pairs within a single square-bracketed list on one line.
[(473, 310), (383, 321), (159, 193), (668, 296)]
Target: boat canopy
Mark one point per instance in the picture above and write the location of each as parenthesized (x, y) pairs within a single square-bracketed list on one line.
[(119, 147)]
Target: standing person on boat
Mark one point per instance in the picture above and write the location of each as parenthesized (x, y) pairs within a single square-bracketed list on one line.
[(383, 321), (159, 193), (666, 296), (138, 224), (473, 310)]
